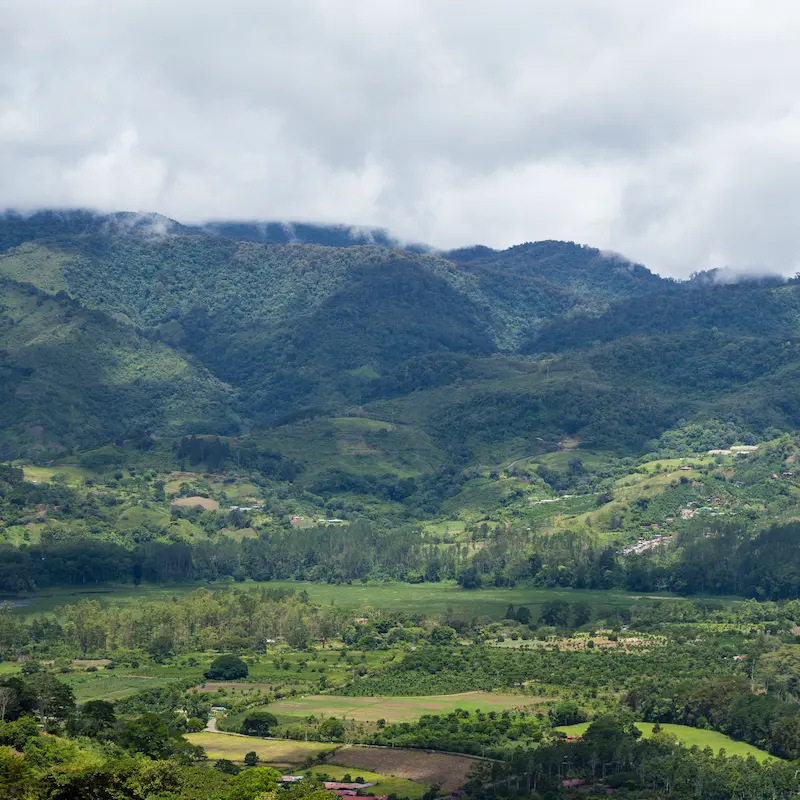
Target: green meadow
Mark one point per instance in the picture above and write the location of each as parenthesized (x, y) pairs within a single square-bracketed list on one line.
[(689, 737), (428, 598)]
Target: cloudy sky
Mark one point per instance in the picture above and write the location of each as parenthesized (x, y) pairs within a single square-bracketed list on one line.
[(667, 130)]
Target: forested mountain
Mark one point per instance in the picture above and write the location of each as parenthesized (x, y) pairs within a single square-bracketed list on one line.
[(483, 354)]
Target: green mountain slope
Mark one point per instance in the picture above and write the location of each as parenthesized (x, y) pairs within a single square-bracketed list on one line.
[(476, 355), (71, 377)]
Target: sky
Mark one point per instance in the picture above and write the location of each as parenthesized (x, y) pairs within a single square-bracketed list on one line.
[(665, 130)]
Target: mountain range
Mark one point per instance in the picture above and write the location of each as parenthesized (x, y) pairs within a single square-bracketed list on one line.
[(122, 325)]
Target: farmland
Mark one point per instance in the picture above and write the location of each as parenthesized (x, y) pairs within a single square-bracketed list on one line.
[(273, 751), (448, 771), (397, 709)]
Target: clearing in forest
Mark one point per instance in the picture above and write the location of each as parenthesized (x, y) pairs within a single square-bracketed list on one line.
[(398, 709), (189, 502)]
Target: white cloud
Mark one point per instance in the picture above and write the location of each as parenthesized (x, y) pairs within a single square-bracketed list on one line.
[(664, 130)]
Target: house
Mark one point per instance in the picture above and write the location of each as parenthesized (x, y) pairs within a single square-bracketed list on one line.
[(687, 513), (685, 468), (292, 778), (572, 783)]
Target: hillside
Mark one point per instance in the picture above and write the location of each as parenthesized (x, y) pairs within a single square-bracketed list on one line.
[(470, 357), (71, 378)]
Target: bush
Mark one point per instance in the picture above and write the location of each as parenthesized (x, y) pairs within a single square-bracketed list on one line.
[(251, 759), (226, 668)]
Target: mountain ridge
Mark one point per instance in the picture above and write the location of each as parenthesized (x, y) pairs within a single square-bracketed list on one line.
[(480, 350)]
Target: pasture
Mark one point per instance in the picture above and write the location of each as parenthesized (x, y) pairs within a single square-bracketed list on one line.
[(396, 709), (448, 771), (427, 598), (689, 737), (273, 751)]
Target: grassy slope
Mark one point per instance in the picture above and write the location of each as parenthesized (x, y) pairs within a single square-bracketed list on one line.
[(275, 751), (689, 737), (72, 377)]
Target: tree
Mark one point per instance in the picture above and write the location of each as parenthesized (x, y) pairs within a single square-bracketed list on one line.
[(53, 698), (6, 696), (523, 615), (566, 713), (93, 719), (160, 648), (226, 668), (470, 579), (582, 613), (443, 634), (148, 734), (555, 613), (331, 729), (259, 723), (254, 782), (251, 758)]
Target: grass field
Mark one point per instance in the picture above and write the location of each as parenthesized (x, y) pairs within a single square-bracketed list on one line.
[(115, 684), (396, 709), (689, 737), (273, 751), (384, 784), (449, 772), (73, 475), (426, 598)]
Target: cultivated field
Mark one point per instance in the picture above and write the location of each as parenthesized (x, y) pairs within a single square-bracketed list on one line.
[(397, 709), (273, 751), (449, 772), (689, 737)]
